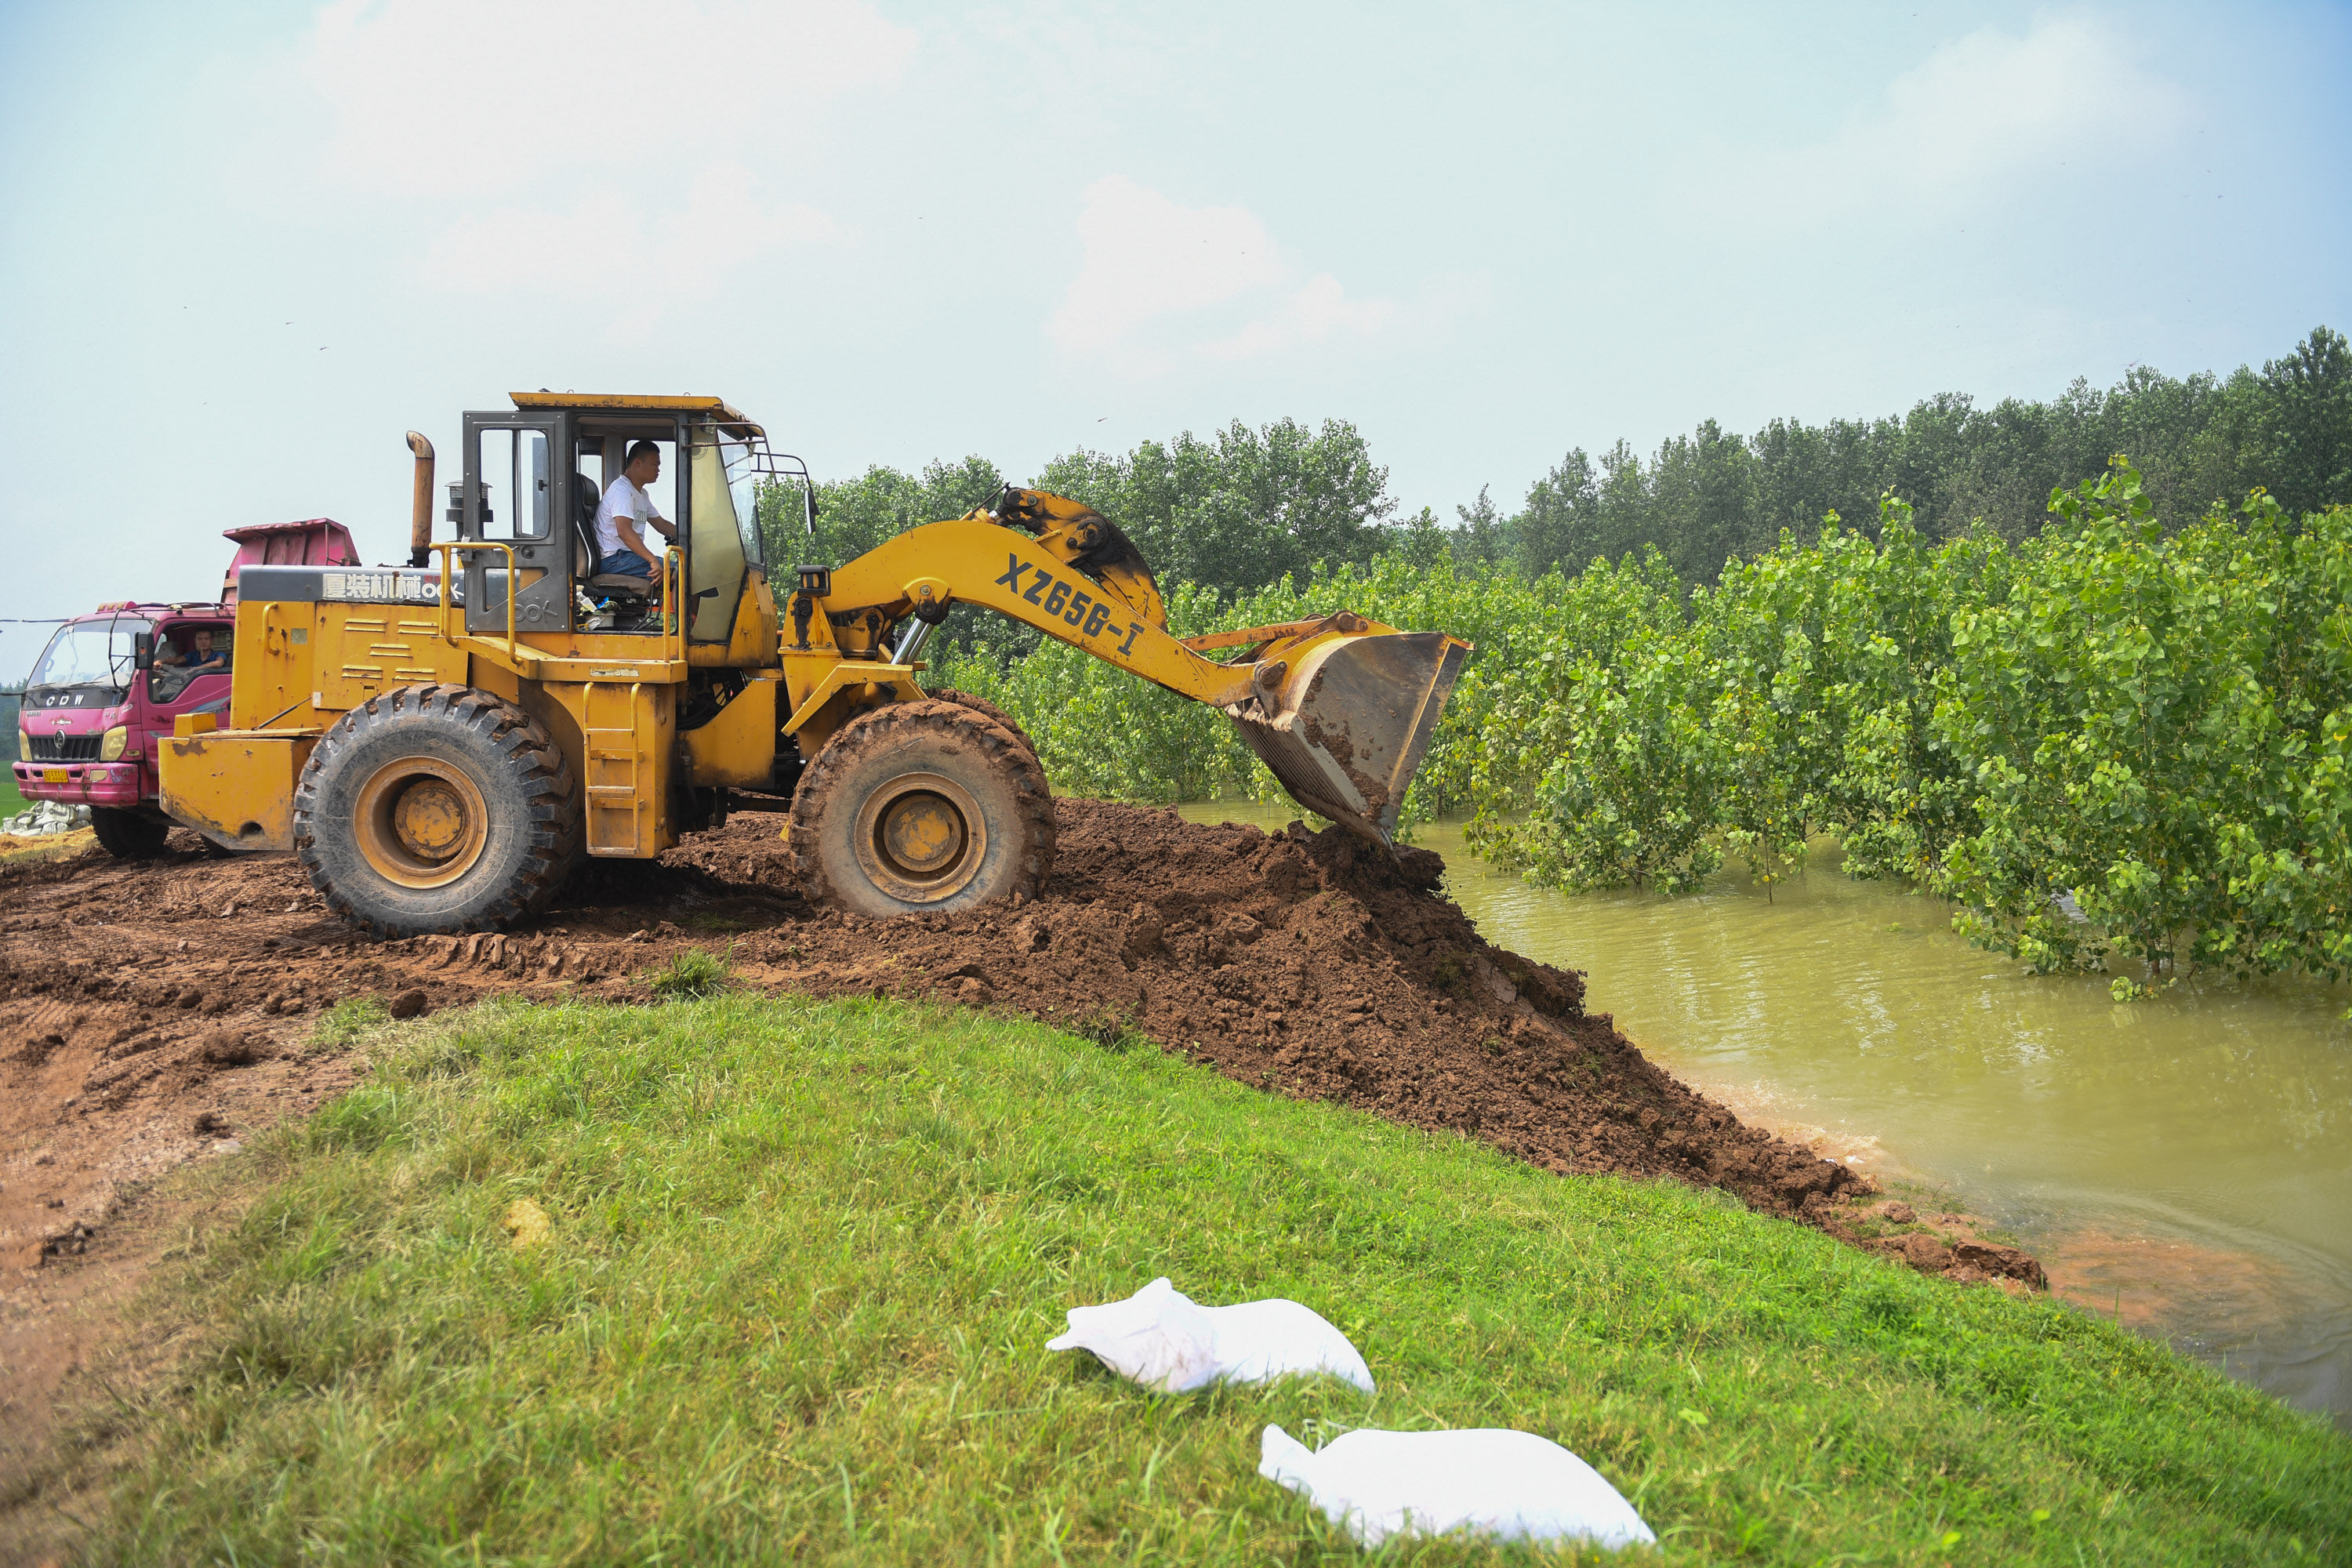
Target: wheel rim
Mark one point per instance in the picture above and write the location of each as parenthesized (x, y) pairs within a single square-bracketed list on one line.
[(422, 822), (920, 838)]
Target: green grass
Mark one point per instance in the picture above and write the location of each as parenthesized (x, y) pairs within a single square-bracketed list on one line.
[(12, 799), (804, 1257), (693, 973), (341, 1027)]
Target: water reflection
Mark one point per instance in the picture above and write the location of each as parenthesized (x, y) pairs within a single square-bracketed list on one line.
[(2186, 1162)]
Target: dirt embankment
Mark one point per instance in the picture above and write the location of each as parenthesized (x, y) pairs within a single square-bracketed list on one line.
[(150, 1013)]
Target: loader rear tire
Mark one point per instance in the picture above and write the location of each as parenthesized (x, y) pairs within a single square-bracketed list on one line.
[(986, 709), (436, 808), (922, 808), (129, 835)]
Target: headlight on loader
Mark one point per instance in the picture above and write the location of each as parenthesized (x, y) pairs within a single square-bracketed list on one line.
[(109, 746)]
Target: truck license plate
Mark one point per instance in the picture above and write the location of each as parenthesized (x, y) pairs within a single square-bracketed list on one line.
[(53, 775)]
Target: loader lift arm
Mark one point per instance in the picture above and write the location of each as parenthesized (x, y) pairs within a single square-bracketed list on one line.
[(924, 570), (1341, 709)]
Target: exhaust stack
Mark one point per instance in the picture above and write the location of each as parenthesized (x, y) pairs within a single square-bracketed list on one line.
[(420, 515)]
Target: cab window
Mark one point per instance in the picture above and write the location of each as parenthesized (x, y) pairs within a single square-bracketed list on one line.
[(511, 468), (187, 653)]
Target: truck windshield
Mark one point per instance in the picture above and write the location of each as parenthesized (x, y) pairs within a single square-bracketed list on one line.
[(90, 654)]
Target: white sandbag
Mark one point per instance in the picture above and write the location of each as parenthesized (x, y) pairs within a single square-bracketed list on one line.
[(1512, 1486), (1163, 1339)]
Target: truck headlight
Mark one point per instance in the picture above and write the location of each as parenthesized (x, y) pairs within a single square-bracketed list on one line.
[(110, 747)]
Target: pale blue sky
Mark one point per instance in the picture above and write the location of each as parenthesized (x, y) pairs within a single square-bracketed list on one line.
[(246, 245)]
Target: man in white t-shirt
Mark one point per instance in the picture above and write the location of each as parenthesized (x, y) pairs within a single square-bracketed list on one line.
[(623, 514)]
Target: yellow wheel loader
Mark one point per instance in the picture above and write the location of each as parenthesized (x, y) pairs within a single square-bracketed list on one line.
[(441, 744)]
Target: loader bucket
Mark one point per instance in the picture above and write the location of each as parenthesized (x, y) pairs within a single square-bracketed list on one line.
[(1350, 722)]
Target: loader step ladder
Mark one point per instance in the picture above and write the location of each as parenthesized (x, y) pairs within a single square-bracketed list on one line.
[(610, 760)]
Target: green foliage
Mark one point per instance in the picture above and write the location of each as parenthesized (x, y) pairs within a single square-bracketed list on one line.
[(2105, 743), (1630, 802), (1657, 730), (803, 1258), (2157, 729), (1483, 538), (2303, 426), (1713, 495), (1240, 510), (1421, 540)]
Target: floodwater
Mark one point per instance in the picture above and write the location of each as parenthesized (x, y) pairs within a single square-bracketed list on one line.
[(2184, 1164)]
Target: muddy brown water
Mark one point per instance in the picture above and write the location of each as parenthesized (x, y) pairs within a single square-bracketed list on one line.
[(2184, 1164)]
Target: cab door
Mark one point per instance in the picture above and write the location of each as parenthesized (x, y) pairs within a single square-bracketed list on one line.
[(515, 494), (165, 691)]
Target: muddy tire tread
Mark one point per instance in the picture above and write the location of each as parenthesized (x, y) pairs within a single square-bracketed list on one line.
[(987, 709), (127, 834), (536, 768), (887, 729)]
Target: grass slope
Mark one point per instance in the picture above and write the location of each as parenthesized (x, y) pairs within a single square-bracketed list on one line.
[(804, 1257)]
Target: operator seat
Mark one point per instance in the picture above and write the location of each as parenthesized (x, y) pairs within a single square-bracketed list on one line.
[(585, 497)]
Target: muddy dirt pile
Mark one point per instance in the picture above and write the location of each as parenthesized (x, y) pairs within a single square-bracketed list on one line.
[(1306, 962), (150, 1012)]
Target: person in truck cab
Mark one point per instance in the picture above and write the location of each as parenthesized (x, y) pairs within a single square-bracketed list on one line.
[(199, 659), (185, 655), (623, 514)]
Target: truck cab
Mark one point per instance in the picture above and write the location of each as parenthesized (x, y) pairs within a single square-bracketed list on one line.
[(111, 685), (105, 686)]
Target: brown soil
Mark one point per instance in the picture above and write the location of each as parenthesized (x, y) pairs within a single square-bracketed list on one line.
[(151, 1014)]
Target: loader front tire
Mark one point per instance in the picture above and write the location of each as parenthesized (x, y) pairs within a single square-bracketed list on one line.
[(922, 808), (436, 808)]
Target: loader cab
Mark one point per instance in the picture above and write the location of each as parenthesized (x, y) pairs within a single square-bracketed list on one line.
[(533, 477)]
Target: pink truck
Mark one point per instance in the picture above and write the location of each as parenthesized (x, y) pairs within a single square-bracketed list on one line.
[(112, 681)]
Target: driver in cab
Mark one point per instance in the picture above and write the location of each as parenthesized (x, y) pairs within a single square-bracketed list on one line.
[(199, 659), (625, 513)]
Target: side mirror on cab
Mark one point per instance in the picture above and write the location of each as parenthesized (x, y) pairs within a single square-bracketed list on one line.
[(143, 650)]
